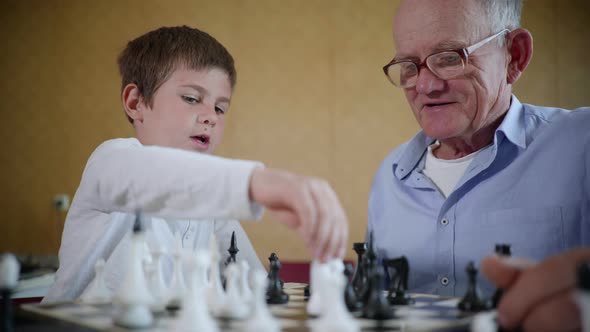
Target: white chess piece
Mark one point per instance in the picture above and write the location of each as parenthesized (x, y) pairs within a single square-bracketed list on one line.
[(334, 317), (244, 285), (98, 292), (234, 307), (9, 270), (195, 314), (177, 287), (215, 292), (261, 319), (317, 271), (158, 286), (133, 300)]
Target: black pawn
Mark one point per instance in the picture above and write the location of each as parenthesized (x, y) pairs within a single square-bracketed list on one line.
[(360, 275), (274, 257), (501, 250), (377, 307), (233, 249), (472, 302), (274, 292), (352, 302), (369, 264)]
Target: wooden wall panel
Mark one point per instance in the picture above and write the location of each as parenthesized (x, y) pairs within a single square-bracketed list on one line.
[(311, 96)]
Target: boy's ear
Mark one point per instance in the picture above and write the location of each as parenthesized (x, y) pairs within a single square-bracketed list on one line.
[(520, 49), (133, 102)]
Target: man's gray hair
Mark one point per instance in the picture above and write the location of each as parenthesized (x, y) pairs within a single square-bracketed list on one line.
[(501, 14)]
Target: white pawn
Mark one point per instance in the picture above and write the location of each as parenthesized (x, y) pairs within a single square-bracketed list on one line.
[(334, 317), (261, 319), (158, 286), (195, 314), (245, 291), (314, 303), (133, 299), (98, 292), (177, 285), (234, 307), (215, 292)]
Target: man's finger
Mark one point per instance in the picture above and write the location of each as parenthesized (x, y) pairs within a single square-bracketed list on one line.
[(557, 314)]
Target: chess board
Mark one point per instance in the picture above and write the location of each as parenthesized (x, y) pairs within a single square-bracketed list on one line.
[(428, 313)]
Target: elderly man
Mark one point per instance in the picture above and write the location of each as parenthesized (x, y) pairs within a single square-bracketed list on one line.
[(485, 168)]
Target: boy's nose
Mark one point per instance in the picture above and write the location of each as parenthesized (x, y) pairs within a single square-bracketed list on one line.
[(208, 117)]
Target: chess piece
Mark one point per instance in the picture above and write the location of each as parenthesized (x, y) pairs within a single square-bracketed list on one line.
[(583, 295), (314, 301), (215, 292), (160, 291), (502, 250), (274, 292), (233, 249), (398, 281), (97, 292), (274, 257), (234, 307), (352, 302), (360, 275), (9, 271), (377, 306), (472, 301), (369, 264), (335, 316), (244, 285), (261, 319), (177, 287), (133, 300), (194, 315)]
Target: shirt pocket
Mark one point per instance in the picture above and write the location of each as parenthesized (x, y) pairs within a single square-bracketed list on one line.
[(532, 232)]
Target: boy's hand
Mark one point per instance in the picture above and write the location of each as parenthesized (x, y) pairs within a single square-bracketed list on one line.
[(306, 204), (537, 297)]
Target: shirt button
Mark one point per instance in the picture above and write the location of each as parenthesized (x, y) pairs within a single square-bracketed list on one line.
[(444, 281), (444, 221)]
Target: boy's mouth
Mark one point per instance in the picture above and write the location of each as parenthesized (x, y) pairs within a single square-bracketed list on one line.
[(201, 138)]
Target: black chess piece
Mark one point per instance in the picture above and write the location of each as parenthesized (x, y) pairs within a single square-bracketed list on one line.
[(360, 275), (351, 299), (233, 249), (369, 263), (398, 280), (472, 301), (274, 292), (274, 257), (306, 293), (377, 307), (9, 271), (501, 249)]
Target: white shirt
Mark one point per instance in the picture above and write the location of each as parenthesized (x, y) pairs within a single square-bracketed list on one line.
[(445, 174), (177, 191)]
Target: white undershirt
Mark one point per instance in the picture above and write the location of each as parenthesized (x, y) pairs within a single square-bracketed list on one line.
[(445, 173)]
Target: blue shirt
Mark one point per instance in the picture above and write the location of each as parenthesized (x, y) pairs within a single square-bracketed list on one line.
[(530, 189)]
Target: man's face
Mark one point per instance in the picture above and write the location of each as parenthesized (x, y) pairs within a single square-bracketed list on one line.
[(458, 107), (188, 111)]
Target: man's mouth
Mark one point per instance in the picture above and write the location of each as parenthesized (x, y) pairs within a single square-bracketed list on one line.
[(436, 104)]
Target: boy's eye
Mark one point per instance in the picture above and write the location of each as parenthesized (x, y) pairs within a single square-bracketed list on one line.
[(219, 110), (191, 99)]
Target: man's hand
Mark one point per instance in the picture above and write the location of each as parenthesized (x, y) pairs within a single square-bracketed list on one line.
[(306, 204), (537, 297)]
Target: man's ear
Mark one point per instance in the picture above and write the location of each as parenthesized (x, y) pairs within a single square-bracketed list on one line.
[(133, 102), (520, 49)]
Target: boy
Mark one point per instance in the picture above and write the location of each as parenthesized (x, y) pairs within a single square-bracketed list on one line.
[(177, 87)]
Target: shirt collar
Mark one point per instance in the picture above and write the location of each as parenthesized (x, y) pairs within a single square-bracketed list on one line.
[(512, 127)]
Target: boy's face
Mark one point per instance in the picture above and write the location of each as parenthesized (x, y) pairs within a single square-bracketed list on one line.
[(187, 111)]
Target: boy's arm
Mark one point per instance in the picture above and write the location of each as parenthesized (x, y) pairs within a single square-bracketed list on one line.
[(123, 175)]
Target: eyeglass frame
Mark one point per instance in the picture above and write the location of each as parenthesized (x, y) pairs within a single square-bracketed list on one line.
[(463, 53)]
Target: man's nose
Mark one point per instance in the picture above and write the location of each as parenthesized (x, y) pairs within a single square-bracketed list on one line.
[(427, 82)]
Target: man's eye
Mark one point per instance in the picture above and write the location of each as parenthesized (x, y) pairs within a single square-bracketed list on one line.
[(191, 100)]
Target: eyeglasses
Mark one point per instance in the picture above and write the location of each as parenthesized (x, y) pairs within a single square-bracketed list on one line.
[(445, 65)]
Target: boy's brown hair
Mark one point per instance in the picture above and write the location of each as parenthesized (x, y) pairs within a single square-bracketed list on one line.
[(150, 59)]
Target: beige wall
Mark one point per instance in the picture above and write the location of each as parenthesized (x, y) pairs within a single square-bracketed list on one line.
[(311, 96)]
